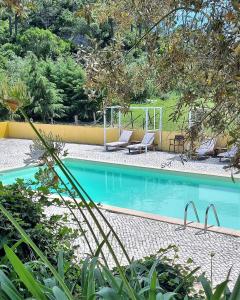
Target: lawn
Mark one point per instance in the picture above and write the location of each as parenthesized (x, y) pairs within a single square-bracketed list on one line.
[(137, 117)]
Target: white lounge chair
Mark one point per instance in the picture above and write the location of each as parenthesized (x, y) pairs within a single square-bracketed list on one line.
[(123, 140), (146, 142), (206, 147), (228, 154)]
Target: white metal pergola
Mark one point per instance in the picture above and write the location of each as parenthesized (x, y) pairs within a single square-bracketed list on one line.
[(156, 110)]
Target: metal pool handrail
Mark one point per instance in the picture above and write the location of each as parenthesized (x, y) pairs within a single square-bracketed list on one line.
[(206, 216), (186, 210)]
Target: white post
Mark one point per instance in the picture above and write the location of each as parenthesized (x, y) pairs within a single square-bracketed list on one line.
[(111, 116), (154, 118), (146, 125), (160, 127), (190, 119), (119, 121), (105, 129), (76, 119)]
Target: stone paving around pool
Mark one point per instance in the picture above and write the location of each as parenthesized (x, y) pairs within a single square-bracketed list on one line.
[(143, 236), (13, 153)]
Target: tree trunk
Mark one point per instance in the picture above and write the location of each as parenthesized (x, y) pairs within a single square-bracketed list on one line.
[(43, 116), (10, 25), (110, 22), (16, 24), (140, 29)]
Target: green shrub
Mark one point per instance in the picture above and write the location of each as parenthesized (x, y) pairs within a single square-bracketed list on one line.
[(91, 278), (43, 43), (28, 207)]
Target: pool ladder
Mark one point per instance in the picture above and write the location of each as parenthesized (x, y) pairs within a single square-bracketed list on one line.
[(197, 217)]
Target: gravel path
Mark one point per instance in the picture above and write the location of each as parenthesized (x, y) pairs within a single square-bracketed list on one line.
[(142, 236)]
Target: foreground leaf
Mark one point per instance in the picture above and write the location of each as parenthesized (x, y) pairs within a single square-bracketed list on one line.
[(107, 293), (236, 290), (219, 290), (28, 240), (59, 294), (167, 296), (206, 286), (8, 288), (25, 276)]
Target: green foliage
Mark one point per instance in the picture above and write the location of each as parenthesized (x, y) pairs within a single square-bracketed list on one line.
[(28, 208), (4, 113), (168, 103), (46, 98), (94, 280), (4, 34), (8, 52), (22, 280), (43, 43), (16, 67), (221, 291), (98, 282), (169, 275), (69, 78), (13, 93)]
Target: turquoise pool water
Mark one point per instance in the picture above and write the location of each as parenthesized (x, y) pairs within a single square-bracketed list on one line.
[(154, 191)]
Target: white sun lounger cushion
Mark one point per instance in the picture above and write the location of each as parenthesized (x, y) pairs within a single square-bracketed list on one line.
[(230, 153), (116, 144), (148, 138), (125, 136), (123, 139), (146, 141), (206, 147)]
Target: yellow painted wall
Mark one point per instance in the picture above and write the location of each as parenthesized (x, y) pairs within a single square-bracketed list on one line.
[(68, 133), (3, 129), (85, 134)]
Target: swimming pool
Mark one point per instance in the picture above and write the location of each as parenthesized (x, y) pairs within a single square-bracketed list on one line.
[(153, 191)]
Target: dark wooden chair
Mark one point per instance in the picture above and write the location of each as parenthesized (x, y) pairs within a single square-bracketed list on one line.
[(177, 143)]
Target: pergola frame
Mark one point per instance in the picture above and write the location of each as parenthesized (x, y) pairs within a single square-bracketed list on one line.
[(146, 110)]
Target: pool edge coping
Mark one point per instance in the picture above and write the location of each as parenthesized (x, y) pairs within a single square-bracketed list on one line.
[(164, 219), (227, 176), (171, 220), (189, 172)]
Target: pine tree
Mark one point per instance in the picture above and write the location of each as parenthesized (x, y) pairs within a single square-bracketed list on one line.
[(46, 98)]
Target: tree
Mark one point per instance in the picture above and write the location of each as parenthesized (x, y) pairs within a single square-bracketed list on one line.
[(14, 10), (43, 43), (190, 46), (46, 99), (69, 78)]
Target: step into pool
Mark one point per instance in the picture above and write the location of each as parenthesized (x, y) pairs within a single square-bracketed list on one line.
[(152, 191)]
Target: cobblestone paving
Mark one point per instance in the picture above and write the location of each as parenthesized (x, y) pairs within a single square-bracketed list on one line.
[(10, 157), (142, 236)]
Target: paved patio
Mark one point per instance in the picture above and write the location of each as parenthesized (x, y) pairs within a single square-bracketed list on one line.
[(143, 236), (9, 159)]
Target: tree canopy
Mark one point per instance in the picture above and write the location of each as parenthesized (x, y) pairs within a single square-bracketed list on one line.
[(126, 51), (48, 33), (191, 47)]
